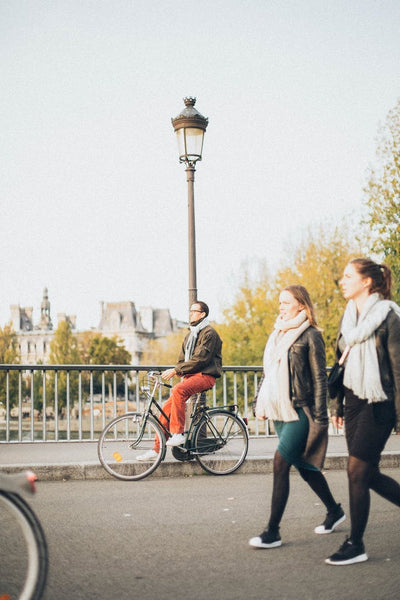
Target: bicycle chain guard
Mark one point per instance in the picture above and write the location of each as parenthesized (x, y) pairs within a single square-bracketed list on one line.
[(181, 454)]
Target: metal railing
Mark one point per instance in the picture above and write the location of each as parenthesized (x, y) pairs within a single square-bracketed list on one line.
[(41, 403)]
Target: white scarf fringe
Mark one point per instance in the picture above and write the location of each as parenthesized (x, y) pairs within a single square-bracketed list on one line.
[(362, 373), (273, 400)]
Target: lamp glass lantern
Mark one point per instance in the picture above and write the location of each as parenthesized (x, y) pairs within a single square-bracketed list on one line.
[(189, 127)]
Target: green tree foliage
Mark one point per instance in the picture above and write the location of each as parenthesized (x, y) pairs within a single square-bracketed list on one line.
[(108, 351), (382, 196), (164, 351), (9, 354), (64, 350), (248, 322), (318, 265), (101, 350)]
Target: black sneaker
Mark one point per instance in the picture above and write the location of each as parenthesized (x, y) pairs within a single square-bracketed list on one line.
[(348, 554), (333, 519), (267, 539)]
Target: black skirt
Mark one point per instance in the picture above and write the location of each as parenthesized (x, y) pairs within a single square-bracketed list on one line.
[(367, 426)]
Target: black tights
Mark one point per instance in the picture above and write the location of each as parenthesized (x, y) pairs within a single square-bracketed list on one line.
[(362, 477), (280, 491)]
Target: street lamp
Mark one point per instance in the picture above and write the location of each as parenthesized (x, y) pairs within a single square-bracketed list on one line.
[(189, 127)]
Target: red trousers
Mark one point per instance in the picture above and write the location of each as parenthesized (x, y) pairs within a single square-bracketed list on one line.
[(174, 407)]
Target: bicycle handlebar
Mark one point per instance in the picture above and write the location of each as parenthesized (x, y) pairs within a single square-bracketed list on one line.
[(156, 376)]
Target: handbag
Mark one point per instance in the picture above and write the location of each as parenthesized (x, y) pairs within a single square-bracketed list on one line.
[(335, 377)]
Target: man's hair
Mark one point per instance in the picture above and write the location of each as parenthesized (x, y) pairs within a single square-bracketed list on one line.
[(203, 306)]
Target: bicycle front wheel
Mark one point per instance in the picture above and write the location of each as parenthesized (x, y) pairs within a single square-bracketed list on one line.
[(24, 556), (220, 442), (124, 444)]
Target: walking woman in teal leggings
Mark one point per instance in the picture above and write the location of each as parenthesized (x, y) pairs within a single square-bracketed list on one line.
[(293, 395)]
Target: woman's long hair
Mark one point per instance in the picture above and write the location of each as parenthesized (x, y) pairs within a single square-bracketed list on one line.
[(380, 275), (302, 296)]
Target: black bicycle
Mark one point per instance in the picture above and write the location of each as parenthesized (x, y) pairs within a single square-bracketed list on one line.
[(216, 437), (23, 556)]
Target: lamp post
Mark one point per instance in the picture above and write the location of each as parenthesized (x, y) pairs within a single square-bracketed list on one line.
[(189, 127)]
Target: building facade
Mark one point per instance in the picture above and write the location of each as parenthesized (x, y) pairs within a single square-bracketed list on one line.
[(118, 319)]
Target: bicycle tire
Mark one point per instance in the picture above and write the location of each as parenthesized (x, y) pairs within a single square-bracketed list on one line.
[(35, 544), (122, 441), (220, 442)]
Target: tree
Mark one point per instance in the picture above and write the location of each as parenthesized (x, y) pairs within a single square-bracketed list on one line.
[(318, 265), (164, 351), (108, 351), (9, 355), (248, 322), (98, 350), (246, 325), (382, 196), (64, 350)]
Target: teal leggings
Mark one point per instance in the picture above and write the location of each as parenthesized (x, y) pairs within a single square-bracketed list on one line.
[(292, 440)]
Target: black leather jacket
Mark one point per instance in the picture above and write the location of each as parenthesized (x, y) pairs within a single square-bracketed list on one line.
[(307, 372), (387, 338)]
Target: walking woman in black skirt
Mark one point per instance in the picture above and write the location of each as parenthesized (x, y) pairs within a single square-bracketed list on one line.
[(370, 333)]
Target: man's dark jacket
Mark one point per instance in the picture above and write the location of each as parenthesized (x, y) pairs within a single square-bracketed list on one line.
[(206, 357)]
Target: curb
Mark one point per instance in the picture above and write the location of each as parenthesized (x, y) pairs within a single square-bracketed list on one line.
[(90, 471)]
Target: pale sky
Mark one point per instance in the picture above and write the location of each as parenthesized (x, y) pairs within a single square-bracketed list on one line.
[(93, 198)]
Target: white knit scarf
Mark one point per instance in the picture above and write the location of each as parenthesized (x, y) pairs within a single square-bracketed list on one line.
[(191, 341), (273, 400), (362, 368)]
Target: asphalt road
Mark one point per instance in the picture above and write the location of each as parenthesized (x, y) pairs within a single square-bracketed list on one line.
[(178, 538)]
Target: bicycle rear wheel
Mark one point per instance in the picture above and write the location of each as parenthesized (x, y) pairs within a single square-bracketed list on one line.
[(220, 442), (124, 441), (23, 556)]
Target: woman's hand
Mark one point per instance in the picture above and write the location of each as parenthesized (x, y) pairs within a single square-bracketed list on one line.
[(337, 422)]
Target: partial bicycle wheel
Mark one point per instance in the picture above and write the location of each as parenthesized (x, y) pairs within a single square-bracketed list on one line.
[(124, 447), (220, 442), (23, 555)]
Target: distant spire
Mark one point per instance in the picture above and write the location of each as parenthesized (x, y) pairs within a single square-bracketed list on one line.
[(45, 319)]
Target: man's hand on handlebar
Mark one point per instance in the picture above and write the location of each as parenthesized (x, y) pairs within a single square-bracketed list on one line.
[(168, 374)]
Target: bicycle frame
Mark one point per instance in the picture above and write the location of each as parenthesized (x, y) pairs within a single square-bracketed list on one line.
[(147, 411), (152, 401), (197, 412)]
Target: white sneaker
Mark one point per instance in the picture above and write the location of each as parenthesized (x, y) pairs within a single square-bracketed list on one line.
[(177, 439), (147, 456)]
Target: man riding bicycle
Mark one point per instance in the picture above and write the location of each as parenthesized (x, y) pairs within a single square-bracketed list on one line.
[(199, 364)]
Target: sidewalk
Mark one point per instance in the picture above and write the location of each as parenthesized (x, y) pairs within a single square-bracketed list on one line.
[(55, 461)]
